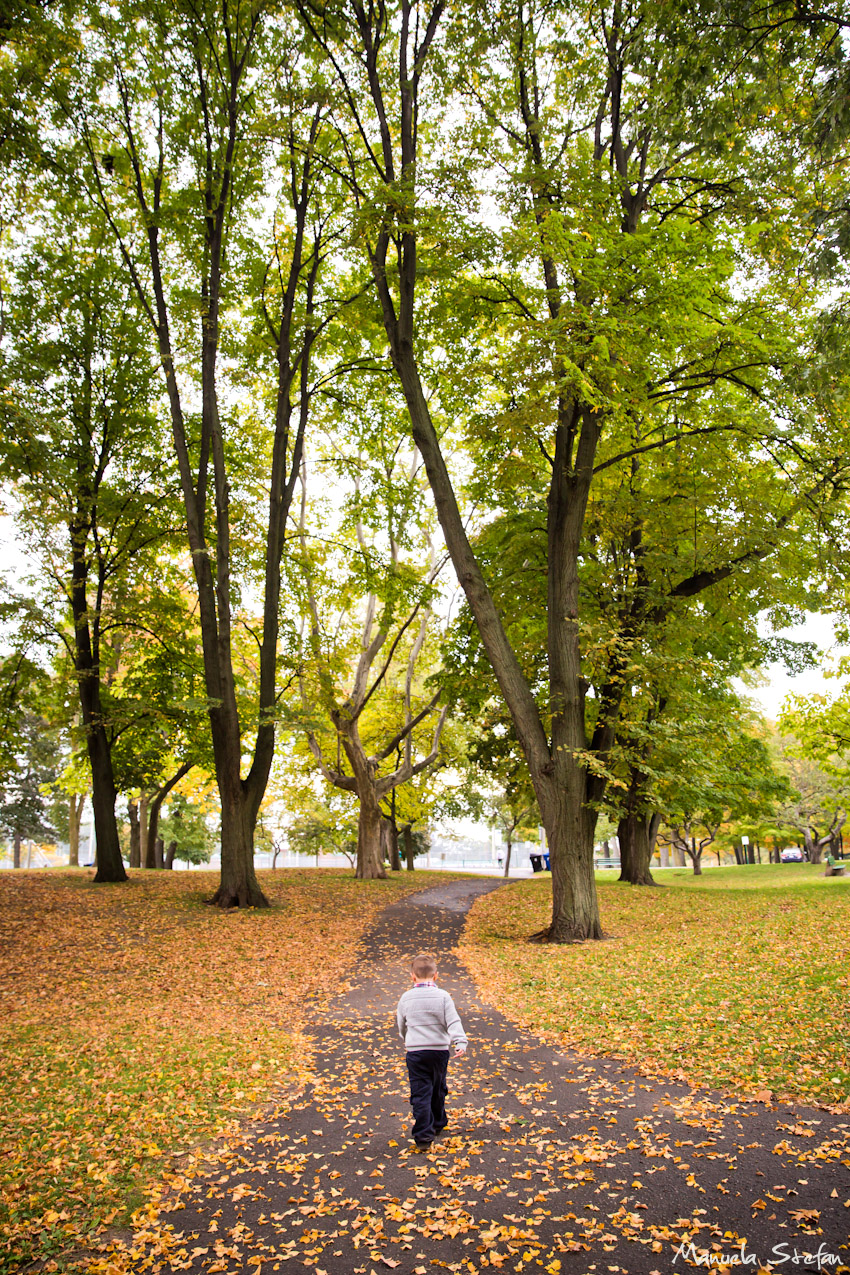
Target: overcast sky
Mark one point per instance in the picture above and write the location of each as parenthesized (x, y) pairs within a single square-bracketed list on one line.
[(777, 684)]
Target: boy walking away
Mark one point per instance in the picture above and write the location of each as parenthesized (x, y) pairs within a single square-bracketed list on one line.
[(428, 1023)]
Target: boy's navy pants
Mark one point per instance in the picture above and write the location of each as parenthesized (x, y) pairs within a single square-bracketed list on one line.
[(427, 1071)]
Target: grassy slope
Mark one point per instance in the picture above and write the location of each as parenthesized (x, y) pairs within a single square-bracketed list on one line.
[(135, 1021), (738, 979)]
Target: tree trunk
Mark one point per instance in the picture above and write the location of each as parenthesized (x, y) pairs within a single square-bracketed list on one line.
[(636, 833), (392, 846), (407, 833), (239, 887), (153, 814), (370, 859), (570, 824), (135, 834), (508, 847), (75, 812), (678, 856), (169, 858), (16, 850), (562, 785), (110, 865), (158, 853), (143, 827)]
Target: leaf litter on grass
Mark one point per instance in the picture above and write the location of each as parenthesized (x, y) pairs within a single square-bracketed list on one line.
[(746, 992), (137, 1021), (551, 1163)]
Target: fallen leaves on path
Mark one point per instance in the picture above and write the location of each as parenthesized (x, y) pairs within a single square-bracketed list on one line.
[(566, 1165), (136, 1021)]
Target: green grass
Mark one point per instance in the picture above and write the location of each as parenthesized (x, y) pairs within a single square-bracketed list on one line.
[(738, 979)]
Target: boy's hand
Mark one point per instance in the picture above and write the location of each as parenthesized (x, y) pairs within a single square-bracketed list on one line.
[(459, 1052)]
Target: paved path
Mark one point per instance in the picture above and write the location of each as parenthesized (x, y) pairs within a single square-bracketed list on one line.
[(551, 1162)]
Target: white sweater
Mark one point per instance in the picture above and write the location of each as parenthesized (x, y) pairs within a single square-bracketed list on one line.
[(427, 1019)]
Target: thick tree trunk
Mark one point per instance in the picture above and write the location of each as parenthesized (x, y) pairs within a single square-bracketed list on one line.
[(171, 852), (570, 825), (560, 782), (158, 853), (135, 833), (636, 833), (370, 859), (16, 850), (239, 887), (75, 812), (110, 865), (407, 833)]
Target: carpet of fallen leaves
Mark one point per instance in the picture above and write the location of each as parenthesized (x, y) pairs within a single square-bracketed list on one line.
[(742, 989), (136, 1022), (552, 1162)]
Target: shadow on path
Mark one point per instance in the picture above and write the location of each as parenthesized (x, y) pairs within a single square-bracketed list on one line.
[(551, 1161)]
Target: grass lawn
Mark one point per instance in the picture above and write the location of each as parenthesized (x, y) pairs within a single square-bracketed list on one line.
[(739, 979), (137, 1021)]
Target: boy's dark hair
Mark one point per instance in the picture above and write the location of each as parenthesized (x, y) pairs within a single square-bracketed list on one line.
[(424, 965)]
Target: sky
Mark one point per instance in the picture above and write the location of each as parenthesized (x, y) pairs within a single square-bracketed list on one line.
[(777, 685)]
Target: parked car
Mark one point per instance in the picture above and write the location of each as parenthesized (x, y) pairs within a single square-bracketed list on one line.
[(792, 855)]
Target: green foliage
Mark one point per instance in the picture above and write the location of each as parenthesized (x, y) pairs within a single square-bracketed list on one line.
[(187, 824)]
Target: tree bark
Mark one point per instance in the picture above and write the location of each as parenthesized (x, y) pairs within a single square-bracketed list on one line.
[(392, 845), (239, 887), (110, 865), (636, 833), (135, 833), (407, 833), (509, 847), (169, 857), (75, 811), (153, 814), (370, 859), (16, 850), (143, 825)]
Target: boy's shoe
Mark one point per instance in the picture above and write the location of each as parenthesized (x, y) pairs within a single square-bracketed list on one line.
[(423, 1146), (438, 1133)]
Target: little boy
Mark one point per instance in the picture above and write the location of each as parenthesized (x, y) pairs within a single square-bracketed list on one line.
[(428, 1023)]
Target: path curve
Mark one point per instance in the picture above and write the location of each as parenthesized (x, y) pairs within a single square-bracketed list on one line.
[(551, 1162)]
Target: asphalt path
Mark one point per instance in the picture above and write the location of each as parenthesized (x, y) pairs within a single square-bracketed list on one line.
[(551, 1161)]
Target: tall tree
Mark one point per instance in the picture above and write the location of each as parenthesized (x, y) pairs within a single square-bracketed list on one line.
[(365, 654), (624, 134), (80, 449), (189, 109)]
